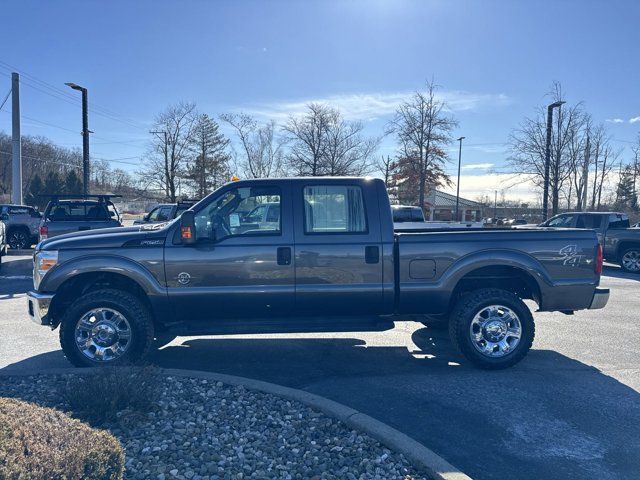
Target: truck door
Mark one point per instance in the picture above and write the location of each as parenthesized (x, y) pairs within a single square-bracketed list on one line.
[(237, 267), (338, 247)]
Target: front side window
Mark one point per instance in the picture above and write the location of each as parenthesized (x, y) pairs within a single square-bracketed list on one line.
[(589, 221), (238, 212), (334, 209), (561, 221)]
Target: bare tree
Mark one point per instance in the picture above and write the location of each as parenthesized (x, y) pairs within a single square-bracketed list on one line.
[(322, 142), (528, 145), (209, 167), (169, 148), (604, 158), (387, 166), (261, 149), (423, 131)]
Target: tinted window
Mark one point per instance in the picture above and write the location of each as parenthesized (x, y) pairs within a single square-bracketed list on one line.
[(417, 215), (589, 221), (226, 216), (77, 211), (334, 209), (401, 214), (273, 214), (164, 213), (618, 221)]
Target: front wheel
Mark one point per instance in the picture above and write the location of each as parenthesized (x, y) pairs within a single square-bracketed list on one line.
[(630, 260), (106, 327), (492, 328)]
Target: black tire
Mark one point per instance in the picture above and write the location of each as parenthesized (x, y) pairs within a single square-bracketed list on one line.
[(635, 253), (18, 238), (469, 306), (125, 303)]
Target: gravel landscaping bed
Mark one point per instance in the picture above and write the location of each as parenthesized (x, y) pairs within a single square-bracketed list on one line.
[(204, 430)]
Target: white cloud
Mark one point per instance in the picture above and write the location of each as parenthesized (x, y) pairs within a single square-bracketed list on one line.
[(370, 106), (514, 186), (634, 120), (477, 166), (615, 120)]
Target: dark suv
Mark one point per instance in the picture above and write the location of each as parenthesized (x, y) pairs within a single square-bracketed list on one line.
[(21, 222)]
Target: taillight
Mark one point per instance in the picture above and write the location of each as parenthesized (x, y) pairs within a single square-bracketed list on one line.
[(44, 232), (599, 260)]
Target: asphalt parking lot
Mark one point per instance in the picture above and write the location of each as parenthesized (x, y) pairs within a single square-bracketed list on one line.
[(570, 410)]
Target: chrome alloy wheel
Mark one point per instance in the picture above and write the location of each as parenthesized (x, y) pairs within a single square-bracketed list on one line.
[(495, 331), (631, 261), (103, 334)]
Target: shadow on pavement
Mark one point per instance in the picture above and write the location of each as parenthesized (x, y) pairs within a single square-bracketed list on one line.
[(549, 417), (616, 272)]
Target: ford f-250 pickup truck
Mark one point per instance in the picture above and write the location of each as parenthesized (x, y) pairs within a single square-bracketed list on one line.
[(330, 262)]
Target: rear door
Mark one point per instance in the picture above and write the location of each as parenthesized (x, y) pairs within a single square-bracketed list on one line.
[(237, 267), (338, 247)]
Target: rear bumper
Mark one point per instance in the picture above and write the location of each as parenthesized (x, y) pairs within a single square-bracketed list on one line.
[(38, 307), (600, 298)]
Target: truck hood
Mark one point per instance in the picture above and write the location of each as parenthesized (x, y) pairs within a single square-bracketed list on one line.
[(136, 236)]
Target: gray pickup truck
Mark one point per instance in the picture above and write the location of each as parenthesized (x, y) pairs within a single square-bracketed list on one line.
[(78, 213), (621, 243), (331, 261), (22, 222)]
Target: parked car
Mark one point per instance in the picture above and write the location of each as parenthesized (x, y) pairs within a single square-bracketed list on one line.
[(621, 243), (331, 263), (73, 213), (516, 221), (164, 212), (22, 222)]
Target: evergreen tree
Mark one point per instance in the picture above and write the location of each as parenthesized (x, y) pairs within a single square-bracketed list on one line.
[(72, 183), (210, 166), (53, 184), (626, 197), (34, 191)]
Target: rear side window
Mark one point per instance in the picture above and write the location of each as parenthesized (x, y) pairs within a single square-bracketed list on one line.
[(417, 215), (77, 211), (401, 215), (334, 209), (589, 221), (618, 221)]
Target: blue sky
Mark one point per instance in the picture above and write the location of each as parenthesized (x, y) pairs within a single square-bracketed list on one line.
[(495, 61)]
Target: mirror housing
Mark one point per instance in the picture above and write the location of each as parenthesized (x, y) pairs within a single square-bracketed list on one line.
[(188, 228)]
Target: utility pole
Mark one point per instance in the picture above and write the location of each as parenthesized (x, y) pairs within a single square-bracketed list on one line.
[(547, 160), (495, 205), (458, 185), (16, 147), (165, 139), (85, 136), (585, 173)]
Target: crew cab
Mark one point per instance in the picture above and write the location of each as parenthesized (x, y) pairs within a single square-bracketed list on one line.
[(620, 242), (22, 222), (330, 262)]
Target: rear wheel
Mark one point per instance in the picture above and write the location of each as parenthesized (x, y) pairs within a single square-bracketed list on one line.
[(106, 327), (18, 238), (492, 328), (630, 260)]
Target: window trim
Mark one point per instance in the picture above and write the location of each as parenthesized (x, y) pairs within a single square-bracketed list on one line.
[(347, 185)]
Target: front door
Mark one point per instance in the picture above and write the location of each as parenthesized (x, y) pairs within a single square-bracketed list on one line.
[(238, 266), (338, 252)]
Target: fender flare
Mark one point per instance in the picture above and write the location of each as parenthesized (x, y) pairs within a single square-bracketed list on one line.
[(101, 263)]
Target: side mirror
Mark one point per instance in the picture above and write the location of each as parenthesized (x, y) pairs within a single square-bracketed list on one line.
[(188, 228), (4, 216), (145, 217)]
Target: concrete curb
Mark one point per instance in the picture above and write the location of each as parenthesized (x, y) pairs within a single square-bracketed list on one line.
[(436, 466)]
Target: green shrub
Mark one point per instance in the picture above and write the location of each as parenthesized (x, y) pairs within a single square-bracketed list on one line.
[(99, 397), (39, 443)]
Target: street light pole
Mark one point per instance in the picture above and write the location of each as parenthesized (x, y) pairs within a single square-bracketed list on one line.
[(85, 136), (547, 160), (458, 185)]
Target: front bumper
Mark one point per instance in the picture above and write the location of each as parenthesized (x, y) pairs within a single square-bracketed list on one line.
[(600, 298), (38, 306)]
